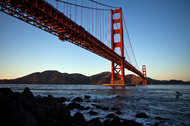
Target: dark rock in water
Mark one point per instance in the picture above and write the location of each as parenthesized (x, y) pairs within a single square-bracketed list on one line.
[(74, 105), (160, 118), (156, 124), (130, 123), (87, 101), (95, 101), (113, 108), (27, 93), (79, 116), (86, 97), (141, 115), (77, 99), (119, 112), (95, 122), (111, 115), (50, 96), (91, 112), (87, 108), (62, 99), (105, 108), (114, 122)]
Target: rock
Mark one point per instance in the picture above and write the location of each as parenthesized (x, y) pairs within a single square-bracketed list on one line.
[(115, 122), (130, 123), (74, 105), (87, 108), (114, 108), (87, 101), (77, 99), (50, 96), (62, 99), (105, 108), (27, 93), (87, 97), (78, 116), (7, 91), (160, 118), (111, 115), (119, 112), (141, 115), (95, 122), (22, 118), (91, 112)]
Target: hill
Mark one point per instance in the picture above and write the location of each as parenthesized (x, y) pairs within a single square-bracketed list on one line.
[(55, 77)]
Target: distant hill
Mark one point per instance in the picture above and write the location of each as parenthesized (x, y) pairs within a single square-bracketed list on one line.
[(55, 77)]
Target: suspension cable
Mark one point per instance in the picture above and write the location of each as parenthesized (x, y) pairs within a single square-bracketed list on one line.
[(130, 42), (83, 6), (103, 4)]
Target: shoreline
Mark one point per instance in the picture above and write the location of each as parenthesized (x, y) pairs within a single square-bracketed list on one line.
[(29, 110)]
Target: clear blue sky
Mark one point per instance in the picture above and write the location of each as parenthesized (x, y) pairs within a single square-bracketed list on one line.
[(159, 32)]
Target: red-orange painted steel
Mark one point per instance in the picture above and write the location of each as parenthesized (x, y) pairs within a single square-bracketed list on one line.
[(144, 74), (41, 14), (117, 69)]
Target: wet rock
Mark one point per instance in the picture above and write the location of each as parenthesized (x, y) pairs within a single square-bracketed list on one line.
[(141, 115), (115, 122), (111, 115), (130, 123), (87, 108), (95, 101), (87, 101), (77, 99), (62, 99), (97, 106), (50, 96), (119, 112), (27, 93), (105, 108), (156, 124), (95, 122), (114, 108), (78, 116), (87, 97), (91, 112), (74, 105), (160, 118)]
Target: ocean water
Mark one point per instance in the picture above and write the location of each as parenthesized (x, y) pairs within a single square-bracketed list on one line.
[(154, 100)]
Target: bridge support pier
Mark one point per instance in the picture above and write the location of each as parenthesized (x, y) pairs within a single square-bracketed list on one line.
[(118, 73)]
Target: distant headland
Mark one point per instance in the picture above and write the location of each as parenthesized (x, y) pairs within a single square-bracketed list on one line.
[(56, 77)]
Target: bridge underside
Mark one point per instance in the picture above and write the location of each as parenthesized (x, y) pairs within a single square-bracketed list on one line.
[(42, 15)]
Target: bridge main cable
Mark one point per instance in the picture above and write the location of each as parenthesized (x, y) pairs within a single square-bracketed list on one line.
[(41, 14)]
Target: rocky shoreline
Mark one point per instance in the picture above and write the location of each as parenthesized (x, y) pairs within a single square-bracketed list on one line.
[(24, 109)]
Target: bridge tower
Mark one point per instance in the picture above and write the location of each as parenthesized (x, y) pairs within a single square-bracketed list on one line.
[(144, 74), (117, 76)]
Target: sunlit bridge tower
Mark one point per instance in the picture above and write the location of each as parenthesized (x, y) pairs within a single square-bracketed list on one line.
[(144, 74), (117, 76)]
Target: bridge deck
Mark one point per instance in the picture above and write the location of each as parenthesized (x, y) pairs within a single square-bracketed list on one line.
[(41, 14)]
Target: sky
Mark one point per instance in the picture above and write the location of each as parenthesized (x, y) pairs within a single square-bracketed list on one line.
[(159, 31)]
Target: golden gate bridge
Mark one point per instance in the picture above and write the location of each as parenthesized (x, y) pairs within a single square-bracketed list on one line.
[(96, 27)]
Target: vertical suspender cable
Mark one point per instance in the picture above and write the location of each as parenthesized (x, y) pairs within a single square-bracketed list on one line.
[(103, 26), (92, 18), (82, 14), (67, 8)]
